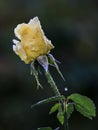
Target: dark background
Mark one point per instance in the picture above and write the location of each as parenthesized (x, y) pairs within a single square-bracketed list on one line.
[(72, 27)]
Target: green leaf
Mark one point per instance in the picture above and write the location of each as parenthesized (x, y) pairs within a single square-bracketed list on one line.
[(70, 109), (83, 111), (45, 128), (54, 108), (58, 128), (60, 114), (60, 117), (48, 100), (84, 105)]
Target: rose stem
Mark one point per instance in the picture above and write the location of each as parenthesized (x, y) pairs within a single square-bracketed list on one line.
[(57, 93), (52, 83)]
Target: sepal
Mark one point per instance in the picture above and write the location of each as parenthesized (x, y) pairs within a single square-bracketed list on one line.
[(34, 72), (52, 61), (43, 61)]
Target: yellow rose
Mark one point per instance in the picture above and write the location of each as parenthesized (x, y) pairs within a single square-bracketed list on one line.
[(32, 41)]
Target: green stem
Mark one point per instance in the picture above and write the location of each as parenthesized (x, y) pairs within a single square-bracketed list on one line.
[(57, 93), (66, 125), (52, 83), (65, 116)]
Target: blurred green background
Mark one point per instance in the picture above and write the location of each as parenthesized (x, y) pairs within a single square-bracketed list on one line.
[(72, 27)]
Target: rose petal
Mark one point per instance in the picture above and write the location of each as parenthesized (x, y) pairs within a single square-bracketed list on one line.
[(34, 21), (14, 49), (33, 43), (17, 31), (15, 41)]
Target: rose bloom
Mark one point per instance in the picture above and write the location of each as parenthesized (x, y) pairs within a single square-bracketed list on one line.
[(32, 42)]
